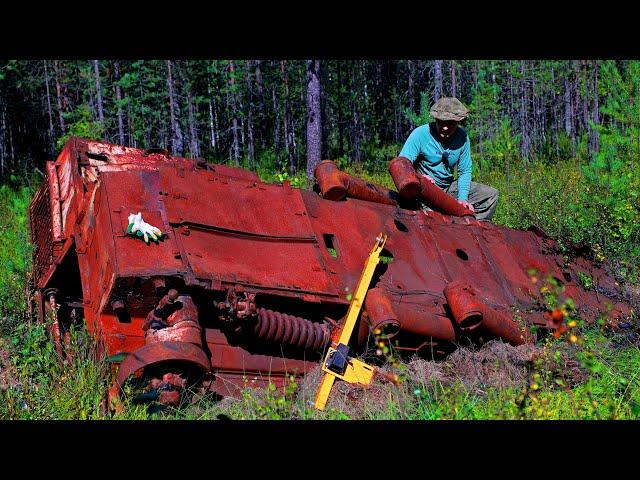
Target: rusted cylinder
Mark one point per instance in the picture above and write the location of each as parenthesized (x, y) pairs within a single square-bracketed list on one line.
[(411, 185), (470, 313), (330, 180), (404, 177), (336, 185), (441, 201), (380, 313), (502, 325), (464, 305), (413, 319), (363, 190)]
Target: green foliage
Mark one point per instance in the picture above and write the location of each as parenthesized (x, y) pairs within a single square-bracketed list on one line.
[(82, 126), (295, 181), (376, 157), (15, 254), (585, 280), (574, 206), (423, 117), (276, 404), (500, 151), (48, 388), (298, 181)]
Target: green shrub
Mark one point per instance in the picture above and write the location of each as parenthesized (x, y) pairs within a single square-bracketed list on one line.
[(15, 254), (82, 126)]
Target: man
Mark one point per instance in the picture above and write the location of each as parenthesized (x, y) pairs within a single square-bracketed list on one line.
[(438, 147)]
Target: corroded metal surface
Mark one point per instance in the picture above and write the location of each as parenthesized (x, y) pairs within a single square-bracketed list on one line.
[(161, 352), (265, 271)]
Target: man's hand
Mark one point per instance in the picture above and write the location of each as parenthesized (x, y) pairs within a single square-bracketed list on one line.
[(467, 205), (428, 178)]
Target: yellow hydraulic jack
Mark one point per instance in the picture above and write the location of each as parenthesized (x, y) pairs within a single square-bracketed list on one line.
[(338, 363)]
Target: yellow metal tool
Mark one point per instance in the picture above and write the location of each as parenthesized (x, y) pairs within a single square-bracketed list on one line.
[(337, 363)]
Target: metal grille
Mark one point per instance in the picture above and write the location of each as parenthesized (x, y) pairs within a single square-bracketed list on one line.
[(41, 232)]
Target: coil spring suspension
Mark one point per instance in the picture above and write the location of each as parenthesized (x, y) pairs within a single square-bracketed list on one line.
[(288, 329)]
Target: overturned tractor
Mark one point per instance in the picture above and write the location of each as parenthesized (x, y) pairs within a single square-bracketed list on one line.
[(251, 280)]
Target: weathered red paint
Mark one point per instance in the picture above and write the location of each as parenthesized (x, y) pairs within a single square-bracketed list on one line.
[(264, 271)]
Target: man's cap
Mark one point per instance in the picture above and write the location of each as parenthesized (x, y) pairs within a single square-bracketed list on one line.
[(449, 108)]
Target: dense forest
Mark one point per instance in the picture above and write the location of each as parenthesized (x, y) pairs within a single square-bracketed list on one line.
[(256, 113)]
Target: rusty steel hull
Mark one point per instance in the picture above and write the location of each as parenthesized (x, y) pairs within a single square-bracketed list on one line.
[(269, 268)]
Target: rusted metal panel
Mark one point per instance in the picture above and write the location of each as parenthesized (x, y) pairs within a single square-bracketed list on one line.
[(134, 257), (230, 358), (54, 199), (239, 232), (234, 205)]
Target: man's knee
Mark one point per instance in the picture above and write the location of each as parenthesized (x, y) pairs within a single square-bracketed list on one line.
[(487, 206)]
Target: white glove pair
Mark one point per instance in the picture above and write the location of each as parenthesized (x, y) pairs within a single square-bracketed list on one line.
[(137, 226)]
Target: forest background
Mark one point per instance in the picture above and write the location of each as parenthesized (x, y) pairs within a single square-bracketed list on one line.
[(560, 139)]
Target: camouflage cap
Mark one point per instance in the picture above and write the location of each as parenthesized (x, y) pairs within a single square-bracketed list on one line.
[(449, 108)]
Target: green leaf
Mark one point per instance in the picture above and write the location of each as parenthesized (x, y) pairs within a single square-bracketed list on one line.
[(118, 357)]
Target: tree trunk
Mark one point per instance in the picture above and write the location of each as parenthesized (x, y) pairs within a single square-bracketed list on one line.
[(116, 69), (251, 147), (193, 132), (176, 132), (454, 90), (276, 131), (510, 112), (234, 113), (211, 127), (129, 129), (96, 71), (146, 138), (554, 112), (595, 113), (576, 96), (437, 76), (525, 146), (340, 119), (356, 150), (59, 97), (288, 133), (568, 112), (411, 66), (3, 128), (314, 118), (216, 125), (52, 142), (586, 112)]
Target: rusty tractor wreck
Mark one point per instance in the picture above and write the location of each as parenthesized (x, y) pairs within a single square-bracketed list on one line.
[(251, 281)]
